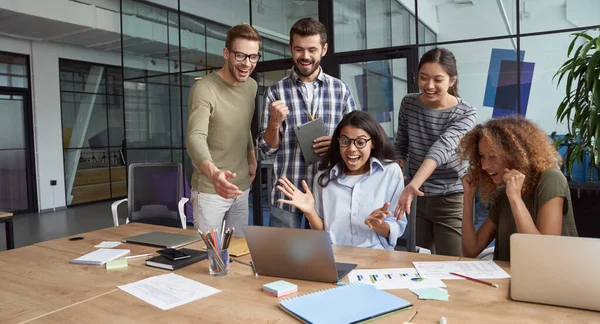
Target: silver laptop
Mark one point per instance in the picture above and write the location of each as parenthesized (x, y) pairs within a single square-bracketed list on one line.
[(294, 253), (555, 270), (163, 239)]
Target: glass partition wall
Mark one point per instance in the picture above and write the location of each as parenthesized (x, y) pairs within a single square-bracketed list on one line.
[(375, 46)]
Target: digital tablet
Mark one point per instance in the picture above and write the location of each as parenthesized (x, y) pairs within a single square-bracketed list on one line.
[(306, 134)]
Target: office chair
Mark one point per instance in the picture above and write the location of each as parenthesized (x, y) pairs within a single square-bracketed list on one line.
[(411, 231), (154, 195)]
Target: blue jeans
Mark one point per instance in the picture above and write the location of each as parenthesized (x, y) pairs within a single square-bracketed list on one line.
[(284, 218)]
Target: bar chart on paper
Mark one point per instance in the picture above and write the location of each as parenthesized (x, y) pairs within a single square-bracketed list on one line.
[(393, 278), (475, 269)]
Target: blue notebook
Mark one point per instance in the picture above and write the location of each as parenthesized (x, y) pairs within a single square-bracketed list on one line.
[(353, 303)]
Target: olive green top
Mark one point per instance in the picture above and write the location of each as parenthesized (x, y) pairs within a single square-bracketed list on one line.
[(552, 183), (218, 129)]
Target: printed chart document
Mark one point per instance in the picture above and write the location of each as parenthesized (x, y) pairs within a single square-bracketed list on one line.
[(168, 290), (394, 278), (475, 269)]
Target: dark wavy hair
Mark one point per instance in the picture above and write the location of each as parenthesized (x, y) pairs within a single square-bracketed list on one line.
[(382, 148), (308, 27), (447, 61), (518, 142)]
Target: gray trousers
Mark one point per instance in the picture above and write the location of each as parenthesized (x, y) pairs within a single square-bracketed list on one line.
[(439, 223), (211, 209)]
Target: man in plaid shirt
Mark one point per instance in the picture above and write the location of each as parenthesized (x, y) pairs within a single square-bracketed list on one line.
[(306, 94)]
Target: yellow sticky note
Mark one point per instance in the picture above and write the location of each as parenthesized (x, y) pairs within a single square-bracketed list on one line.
[(116, 264)]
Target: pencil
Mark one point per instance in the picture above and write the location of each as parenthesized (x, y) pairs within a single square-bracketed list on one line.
[(476, 280)]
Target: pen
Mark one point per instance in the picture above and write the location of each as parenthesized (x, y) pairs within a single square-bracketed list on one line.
[(251, 265), (241, 262), (254, 269), (223, 234), (412, 317), (138, 256), (476, 280)]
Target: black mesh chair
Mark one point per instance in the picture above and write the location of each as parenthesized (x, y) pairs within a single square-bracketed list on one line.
[(154, 195)]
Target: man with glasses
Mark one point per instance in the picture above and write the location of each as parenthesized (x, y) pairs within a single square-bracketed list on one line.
[(219, 141), (306, 94)]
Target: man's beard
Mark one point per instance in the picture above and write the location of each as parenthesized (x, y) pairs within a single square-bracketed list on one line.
[(299, 70)]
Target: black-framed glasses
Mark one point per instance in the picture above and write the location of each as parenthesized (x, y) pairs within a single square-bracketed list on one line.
[(358, 142), (241, 57)]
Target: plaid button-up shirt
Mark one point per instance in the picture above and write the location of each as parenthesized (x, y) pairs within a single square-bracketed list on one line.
[(332, 100)]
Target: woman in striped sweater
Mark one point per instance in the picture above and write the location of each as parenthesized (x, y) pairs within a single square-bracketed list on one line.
[(430, 126)]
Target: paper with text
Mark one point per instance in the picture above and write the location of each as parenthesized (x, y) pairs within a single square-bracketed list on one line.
[(475, 269), (168, 290), (395, 278)]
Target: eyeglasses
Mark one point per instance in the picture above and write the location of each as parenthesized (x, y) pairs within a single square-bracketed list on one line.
[(358, 142), (241, 57)]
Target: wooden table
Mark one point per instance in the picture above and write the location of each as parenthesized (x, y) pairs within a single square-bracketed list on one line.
[(75, 294), (7, 218)]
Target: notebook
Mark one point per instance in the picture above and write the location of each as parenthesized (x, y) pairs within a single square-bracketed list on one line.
[(353, 303), (164, 263), (163, 239), (100, 256)]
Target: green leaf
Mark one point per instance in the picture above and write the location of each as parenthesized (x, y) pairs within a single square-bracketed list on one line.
[(591, 69)]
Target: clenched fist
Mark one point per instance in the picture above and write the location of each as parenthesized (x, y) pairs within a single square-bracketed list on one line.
[(278, 111)]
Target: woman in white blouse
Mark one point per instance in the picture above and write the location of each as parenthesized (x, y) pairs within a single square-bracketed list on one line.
[(357, 187)]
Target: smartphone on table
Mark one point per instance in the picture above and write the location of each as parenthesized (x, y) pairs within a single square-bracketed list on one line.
[(173, 254)]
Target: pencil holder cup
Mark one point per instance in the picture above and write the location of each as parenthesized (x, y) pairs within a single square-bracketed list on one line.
[(218, 262)]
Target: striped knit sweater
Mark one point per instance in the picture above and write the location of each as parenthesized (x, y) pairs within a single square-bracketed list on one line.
[(433, 133)]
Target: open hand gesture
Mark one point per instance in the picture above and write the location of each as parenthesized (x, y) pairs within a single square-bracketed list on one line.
[(305, 201), (375, 219), (406, 199)]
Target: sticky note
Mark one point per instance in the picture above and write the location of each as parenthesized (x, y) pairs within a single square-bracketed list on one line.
[(116, 264), (431, 293), (280, 288)]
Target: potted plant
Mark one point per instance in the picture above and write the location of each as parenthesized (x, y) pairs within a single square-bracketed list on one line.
[(580, 108), (581, 104)]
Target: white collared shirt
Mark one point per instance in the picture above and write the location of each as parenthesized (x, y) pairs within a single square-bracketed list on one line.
[(346, 202)]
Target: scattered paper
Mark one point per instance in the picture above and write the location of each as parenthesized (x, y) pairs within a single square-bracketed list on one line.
[(475, 269), (395, 278), (168, 290), (431, 293), (108, 245)]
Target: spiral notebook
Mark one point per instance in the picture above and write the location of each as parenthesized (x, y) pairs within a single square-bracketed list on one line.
[(354, 303), (100, 256)]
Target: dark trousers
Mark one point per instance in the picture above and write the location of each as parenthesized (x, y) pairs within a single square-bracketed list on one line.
[(439, 223)]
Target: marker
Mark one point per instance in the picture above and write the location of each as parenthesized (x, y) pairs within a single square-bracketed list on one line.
[(443, 320)]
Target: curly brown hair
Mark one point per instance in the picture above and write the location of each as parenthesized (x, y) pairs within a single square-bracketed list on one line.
[(518, 142)]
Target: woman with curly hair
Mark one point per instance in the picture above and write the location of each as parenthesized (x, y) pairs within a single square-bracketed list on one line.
[(515, 167)]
